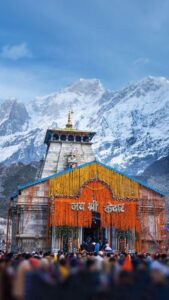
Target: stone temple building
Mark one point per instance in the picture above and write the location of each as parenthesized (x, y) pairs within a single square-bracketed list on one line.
[(77, 197)]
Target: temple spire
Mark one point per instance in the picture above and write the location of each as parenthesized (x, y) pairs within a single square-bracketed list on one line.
[(69, 120)]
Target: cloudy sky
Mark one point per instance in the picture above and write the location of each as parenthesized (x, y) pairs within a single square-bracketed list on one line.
[(47, 44)]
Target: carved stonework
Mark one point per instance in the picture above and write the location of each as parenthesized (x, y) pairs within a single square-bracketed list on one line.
[(72, 159)]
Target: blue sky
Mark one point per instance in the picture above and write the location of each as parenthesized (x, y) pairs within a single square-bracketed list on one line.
[(47, 44)]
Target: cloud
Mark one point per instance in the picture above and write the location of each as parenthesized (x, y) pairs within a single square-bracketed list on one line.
[(25, 83), (141, 61), (15, 52)]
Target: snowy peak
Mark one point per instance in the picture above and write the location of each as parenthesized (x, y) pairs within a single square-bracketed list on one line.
[(149, 85), (153, 85), (6, 107), (132, 124), (82, 93), (13, 117), (86, 87)]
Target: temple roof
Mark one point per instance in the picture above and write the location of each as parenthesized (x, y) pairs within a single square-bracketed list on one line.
[(68, 130), (21, 187)]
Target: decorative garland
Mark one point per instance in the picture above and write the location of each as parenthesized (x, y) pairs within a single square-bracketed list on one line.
[(95, 189), (63, 215), (70, 183)]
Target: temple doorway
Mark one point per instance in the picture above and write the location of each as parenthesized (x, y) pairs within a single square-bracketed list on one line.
[(95, 232)]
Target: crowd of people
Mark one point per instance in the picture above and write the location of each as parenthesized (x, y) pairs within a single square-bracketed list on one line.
[(94, 245), (84, 275)]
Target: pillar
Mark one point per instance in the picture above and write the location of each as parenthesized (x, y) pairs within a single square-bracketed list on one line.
[(80, 235), (114, 239), (106, 233), (133, 240), (129, 240), (54, 244)]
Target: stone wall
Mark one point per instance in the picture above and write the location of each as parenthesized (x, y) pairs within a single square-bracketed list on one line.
[(3, 233), (31, 219), (3, 229), (58, 152)]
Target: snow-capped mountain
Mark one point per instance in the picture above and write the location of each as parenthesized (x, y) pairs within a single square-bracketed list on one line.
[(13, 117), (132, 124)]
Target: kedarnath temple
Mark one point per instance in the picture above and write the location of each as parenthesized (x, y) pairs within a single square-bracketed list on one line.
[(77, 196)]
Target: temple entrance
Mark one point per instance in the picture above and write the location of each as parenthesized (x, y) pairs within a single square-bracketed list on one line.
[(94, 232)]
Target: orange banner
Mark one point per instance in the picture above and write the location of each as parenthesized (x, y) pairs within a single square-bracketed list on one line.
[(95, 196)]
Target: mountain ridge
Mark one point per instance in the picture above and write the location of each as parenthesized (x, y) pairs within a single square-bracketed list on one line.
[(131, 123)]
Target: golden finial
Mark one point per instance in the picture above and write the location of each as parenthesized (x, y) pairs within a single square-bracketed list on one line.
[(69, 120)]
